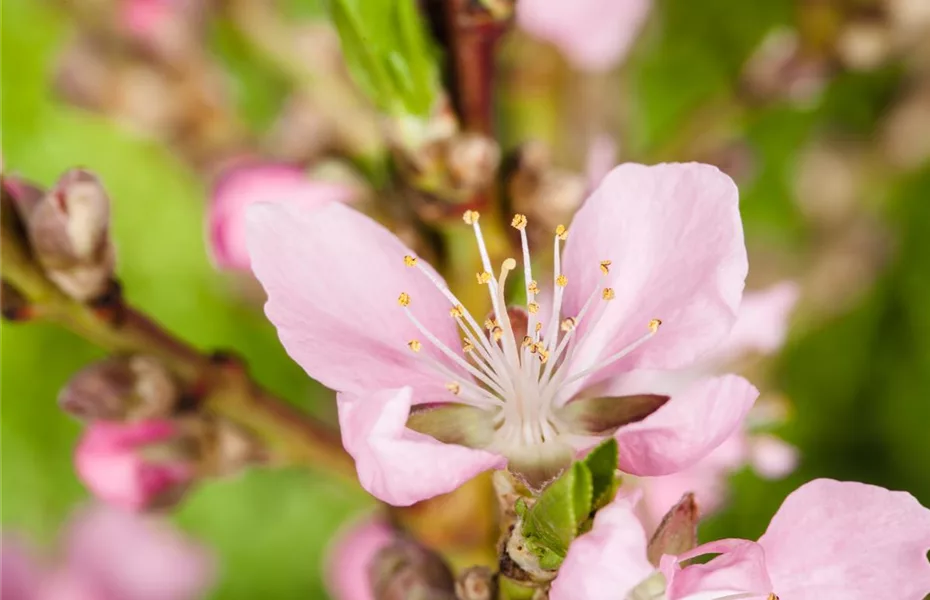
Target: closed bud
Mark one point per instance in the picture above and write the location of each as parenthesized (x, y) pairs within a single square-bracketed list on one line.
[(677, 533), (476, 583), (406, 570), (69, 232), (120, 388), (135, 466)]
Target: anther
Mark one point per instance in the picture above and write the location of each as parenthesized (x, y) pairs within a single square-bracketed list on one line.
[(654, 325), (483, 277), (533, 287), (410, 261), (467, 347), (471, 216), (527, 341), (539, 327), (519, 222), (490, 324), (568, 324), (605, 266), (542, 353), (561, 232), (415, 345), (454, 387), (608, 294), (457, 311), (404, 299), (497, 333), (561, 280), (532, 307)]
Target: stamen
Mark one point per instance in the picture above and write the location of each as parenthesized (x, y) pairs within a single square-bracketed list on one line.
[(457, 311), (527, 341), (654, 325), (532, 308), (467, 347), (410, 261), (538, 327), (415, 345), (542, 353), (518, 222), (561, 281), (533, 287), (483, 277), (497, 333), (568, 324), (404, 299), (561, 232), (490, 324), (608, 294), (605, 266), (613, 358), (471, 216), (454, 387)]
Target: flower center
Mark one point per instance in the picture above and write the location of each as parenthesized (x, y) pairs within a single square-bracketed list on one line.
[(519, 377)]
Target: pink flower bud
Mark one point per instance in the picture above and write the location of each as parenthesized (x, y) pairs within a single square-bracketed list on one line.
[(111, 461), (69, 232)]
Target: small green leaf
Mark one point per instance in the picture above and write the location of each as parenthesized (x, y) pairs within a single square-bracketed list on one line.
[(602, 462), (551, 524)]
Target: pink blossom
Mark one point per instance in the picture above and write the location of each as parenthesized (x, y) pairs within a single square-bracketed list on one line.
[(830, 540), (243, 186), (109, 460), (346, 569), (110, 554), (593, 34), (364, 316)]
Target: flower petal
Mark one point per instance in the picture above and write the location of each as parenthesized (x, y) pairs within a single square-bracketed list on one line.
[(593, 34), (607, 562), (348, 559), (20, 573), (762, 324), (740, 569), (833, 540), (333, 278), (137, 558), (687, 428), (244, 186), (673, 235), (398, 465)]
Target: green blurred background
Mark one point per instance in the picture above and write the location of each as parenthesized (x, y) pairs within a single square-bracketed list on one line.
[(856, 366)]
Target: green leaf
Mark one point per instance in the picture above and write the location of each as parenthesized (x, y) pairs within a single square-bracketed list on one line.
[(602, 462), (389, 53), (551, 524)]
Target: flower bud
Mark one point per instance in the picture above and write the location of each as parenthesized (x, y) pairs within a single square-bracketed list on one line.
[(406, 570), (134, 466), (69, 232), (476, 583), (677, 533), (118, 388)]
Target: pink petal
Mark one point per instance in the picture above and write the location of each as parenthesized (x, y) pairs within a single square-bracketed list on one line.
[(398, 465), (771, 457), (762, 324), (607, 562), (833, 540), (674, 236), (348, 560), (739, 569), (687, 428), (594, 34), (333, 277), (20, 573), (137, 558), (241, 187)]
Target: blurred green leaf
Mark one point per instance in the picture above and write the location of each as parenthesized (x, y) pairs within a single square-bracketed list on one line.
[(551, 524), (602, 462)]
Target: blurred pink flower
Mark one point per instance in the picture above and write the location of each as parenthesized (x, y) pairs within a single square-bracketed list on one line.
[(830, 540), (348, 560), (760, 328), (110, 462), (113, 555), (594, 35), (669, 237), (243, 186)]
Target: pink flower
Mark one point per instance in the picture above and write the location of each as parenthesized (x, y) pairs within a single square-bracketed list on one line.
[(113, 555), (593, 34), (662, 242), (110, 462), (346, 570), (760, 328), (830, 540), (241, 187)]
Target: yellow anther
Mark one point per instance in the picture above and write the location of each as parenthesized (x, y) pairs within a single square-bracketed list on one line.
[(509, 264), (538, 327), (490, 324), (533, 348), (527, 341), (467, 347), (519, 222), (457, 311), (410, 261), (561, 281), (561, 232), (654, 325), (542, 353), (568, 324), (415, 345), (471, 216), (532, 307), (608, 294), (533, 287), (454, 387), (497, 333), (483, 277), (605, 266), (404, 299)]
